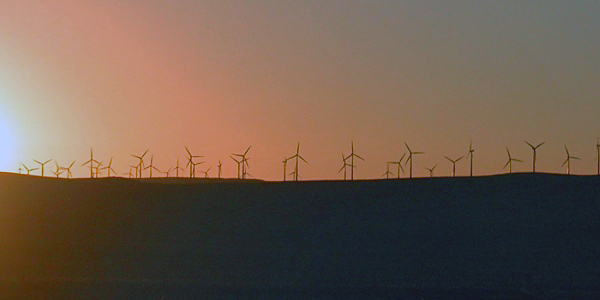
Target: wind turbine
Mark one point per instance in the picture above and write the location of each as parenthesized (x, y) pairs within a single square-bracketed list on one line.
[(151, 166), (98, 168), (206, 172), (453, 164), (297, 156), (42, 164), (91, 162), (167, 172), (219, 169), (191, 163), (238, 165), (285, 160), (410, 158), (387, 173), (58, 170), (244, 162), (109, 168), (194, 166), (177, 168), (399, 163), (345, 165), (431, 170), (534, 152), (471, 150), (28, 169), (140, 166), (351, 157), (568, 160), (69, 174), (510, 160)]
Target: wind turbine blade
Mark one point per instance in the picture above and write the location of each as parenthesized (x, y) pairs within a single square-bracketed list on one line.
[(573, 157), (145, 152), (71, 165), (459, 158), (540, 144), (418, 152), (567, 150), (251, 147), (508, 162), (358, 156), (514, 159), (47, 161), (530, 145), (302, 158), (188, 151), (448, 158), (401, 158), (37, 162), (566, 160), (407, 147)]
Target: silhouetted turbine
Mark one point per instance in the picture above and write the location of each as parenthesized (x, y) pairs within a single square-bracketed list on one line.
[(206, 172), (345, 165), (238, 165), (399, 163), (191, 163), (431, 170), (140, 167), (471, 150), (58, 170), (219, 169), (285, 160), (453, 164), (177, 168), (28, 169), (568, 160), (510, 160), (410, 158), (351, 157), (387, 172), (151, 165), (297, 156), (42, 164), (244, 162), (109, 167), (91, 162), (534, 152)]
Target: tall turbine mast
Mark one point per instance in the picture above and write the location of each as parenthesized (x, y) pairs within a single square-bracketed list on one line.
[(410, 158), (453, 164), (399, 163), (470, 154), (297, 156), (598, 151), (568, 161), (510, 160), (42, 164), (534, 152), (352, 156), (431, 170)]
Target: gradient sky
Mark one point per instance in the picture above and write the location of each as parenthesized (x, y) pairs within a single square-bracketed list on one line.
[(218, 76)]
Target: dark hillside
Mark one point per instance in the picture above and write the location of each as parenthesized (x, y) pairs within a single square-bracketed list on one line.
[(508, 236)]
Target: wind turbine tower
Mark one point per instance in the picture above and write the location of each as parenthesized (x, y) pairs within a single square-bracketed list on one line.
[(470, 154), (387, 172), (297, 156), (42, 164), (453, 164), (510, 160), (410, 158), (399, 163), (568, 161), (534, 152), (351, 157)]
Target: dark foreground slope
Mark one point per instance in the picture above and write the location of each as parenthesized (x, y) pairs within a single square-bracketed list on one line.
[(511, 236)]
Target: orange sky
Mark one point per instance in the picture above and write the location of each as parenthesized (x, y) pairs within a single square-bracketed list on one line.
[(219, 76)]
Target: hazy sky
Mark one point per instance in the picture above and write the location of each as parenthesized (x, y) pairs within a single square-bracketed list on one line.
[(218, 76)]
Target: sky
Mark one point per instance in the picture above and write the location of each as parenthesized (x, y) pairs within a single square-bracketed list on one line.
[(219, 76)]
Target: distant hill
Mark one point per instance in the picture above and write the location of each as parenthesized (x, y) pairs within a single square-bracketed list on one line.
[(506, 236)]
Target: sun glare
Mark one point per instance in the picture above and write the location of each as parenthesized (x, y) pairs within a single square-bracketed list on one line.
[(6, 145)]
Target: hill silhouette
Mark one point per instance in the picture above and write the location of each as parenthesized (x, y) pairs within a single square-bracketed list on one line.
[(506, 236)]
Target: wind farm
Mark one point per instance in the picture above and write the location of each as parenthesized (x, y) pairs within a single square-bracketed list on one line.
[(146, 149)]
